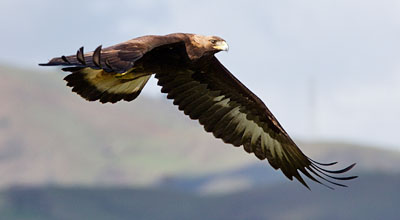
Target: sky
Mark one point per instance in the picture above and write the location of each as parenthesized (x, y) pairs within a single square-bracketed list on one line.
[(326, 69)]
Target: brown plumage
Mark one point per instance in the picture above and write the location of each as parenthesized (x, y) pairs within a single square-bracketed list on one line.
[(201, 87)]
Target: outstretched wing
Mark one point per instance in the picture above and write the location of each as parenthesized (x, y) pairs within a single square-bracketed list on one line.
[(107, 74), (225, 107)]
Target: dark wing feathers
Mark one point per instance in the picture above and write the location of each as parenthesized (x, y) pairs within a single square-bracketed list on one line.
[(80, 57), (97, 57), (225, 107)]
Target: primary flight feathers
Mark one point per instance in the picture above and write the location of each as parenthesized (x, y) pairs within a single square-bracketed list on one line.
[(201, 87)]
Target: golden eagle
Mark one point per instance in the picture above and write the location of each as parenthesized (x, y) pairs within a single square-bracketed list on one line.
[(201, 87)]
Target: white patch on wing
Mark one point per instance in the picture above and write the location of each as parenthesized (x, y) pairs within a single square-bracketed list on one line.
[(224, 103), (241, 120), (104, 81), (218, 98)]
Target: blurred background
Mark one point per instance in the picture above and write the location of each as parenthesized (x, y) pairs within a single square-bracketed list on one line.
[(328, 70)]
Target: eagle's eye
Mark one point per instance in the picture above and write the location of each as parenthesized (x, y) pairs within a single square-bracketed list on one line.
[(213, 41)]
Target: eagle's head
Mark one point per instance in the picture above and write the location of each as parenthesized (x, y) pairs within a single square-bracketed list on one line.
[(210, 43), (218, 43)]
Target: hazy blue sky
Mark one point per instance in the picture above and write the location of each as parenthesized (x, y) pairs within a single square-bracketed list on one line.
[(350, 49)]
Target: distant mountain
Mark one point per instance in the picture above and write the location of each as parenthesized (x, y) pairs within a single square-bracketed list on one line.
[(374, 196), (48, 135)]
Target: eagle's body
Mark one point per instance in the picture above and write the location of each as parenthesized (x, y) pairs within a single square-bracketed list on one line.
[(200, 85)]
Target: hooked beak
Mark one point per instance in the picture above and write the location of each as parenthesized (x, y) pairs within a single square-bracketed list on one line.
[(222, 46)]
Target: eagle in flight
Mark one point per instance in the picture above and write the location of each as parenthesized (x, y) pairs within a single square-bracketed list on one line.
[(201, 87)]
